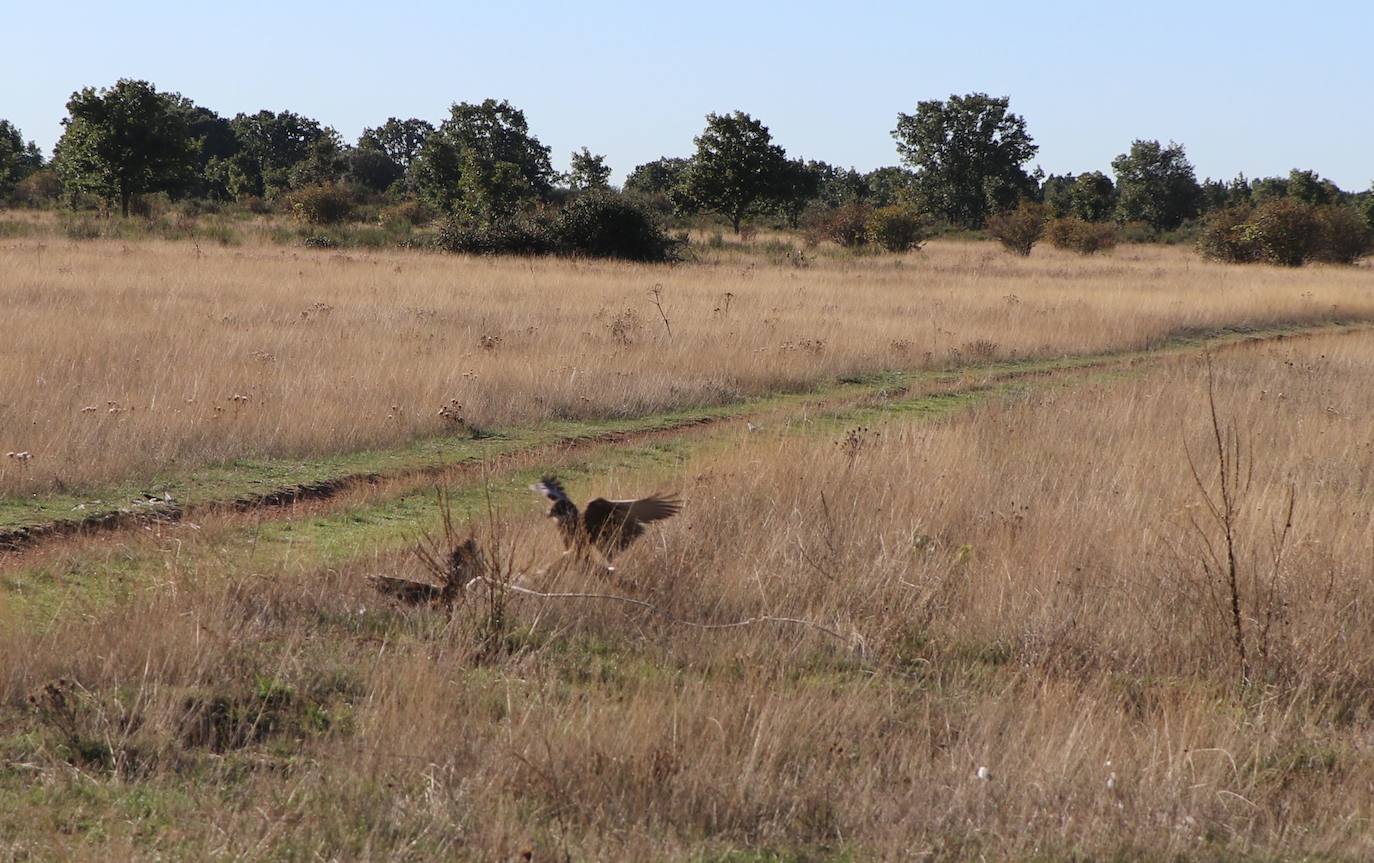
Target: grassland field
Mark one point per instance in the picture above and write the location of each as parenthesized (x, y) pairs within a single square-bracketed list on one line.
[(1049, 558)]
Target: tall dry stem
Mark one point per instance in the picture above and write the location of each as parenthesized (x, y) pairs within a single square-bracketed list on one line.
[(1235, 474)]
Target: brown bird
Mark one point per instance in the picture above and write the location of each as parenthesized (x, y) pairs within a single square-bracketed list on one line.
[(606, 526)]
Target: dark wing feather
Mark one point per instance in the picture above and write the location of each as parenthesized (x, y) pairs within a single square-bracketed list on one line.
[(407, 591), (614, 524), (551, 488)]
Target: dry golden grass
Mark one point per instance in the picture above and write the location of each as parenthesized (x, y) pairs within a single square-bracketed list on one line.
[(1018, 589), (124, 359)]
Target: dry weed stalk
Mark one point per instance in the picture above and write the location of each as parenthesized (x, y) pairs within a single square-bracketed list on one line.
[(1235, 474), (657, 294)]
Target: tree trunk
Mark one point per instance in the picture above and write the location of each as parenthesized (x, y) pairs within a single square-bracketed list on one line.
[(735, 220), (124, 202)]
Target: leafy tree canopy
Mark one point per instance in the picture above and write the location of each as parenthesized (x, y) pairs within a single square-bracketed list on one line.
[(798, 184), (17, 159), (371, 169), (658, 177), (1310, 188), (326, 162), (588, 171), (125, 140), (737, 169), (890, 186), (215, 142), (968, 154), (836, 187), (400, 140), (1055, 193), (1092, 197), (271, 144), (483, 161), (1156, 184)]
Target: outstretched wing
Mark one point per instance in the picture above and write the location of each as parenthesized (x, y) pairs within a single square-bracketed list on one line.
[(551, 488), (614, 524), (407, 591)]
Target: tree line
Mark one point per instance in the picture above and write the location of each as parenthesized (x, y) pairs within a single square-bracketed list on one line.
[(963, 160)]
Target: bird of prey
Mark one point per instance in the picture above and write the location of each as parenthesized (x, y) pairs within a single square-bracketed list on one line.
[(605, 526)]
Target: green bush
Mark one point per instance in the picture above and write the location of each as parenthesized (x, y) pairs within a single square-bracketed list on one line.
[(896, 228), (1228, 236), (846, 226), (407, 213), (593, 224), (321, 204), (610, 225), (1020, 229), (1343, 236), (42, 188), (1076, 235), (512, 236), (1285, 230)]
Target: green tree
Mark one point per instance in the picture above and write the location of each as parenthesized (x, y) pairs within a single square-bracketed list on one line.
[(889, 186), (270, 146), (658, 177), (1156, 184), (737, 169), (370, 168), (216, 142), (968, 154), (482, 161), (125, 140), (325, 162), (17, 159), (588, 171), (1268, 188), (797, 186), (1216, 195), (400, 140), (1092, 197), (1310, 188), (1055, 193), (1238, 191), (839, 187)]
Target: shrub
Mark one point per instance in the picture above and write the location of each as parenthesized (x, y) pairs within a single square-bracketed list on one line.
[(593, 224), (846, 226), (1342, 236), (39, 189), (411, 213), (1020, 229), (1285, 230), (256, 205), (321, 205), (896, 228), (1228, 236), (512, 236), (1085, 238), (609, 225)]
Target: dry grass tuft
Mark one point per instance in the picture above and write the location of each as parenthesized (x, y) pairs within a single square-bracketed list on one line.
[(125, 359), (1036, 659)]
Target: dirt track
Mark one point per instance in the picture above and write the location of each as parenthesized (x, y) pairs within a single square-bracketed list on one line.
[(19, 545)]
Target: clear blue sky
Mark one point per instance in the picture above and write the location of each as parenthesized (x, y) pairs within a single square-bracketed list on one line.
[(1259, 87)]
